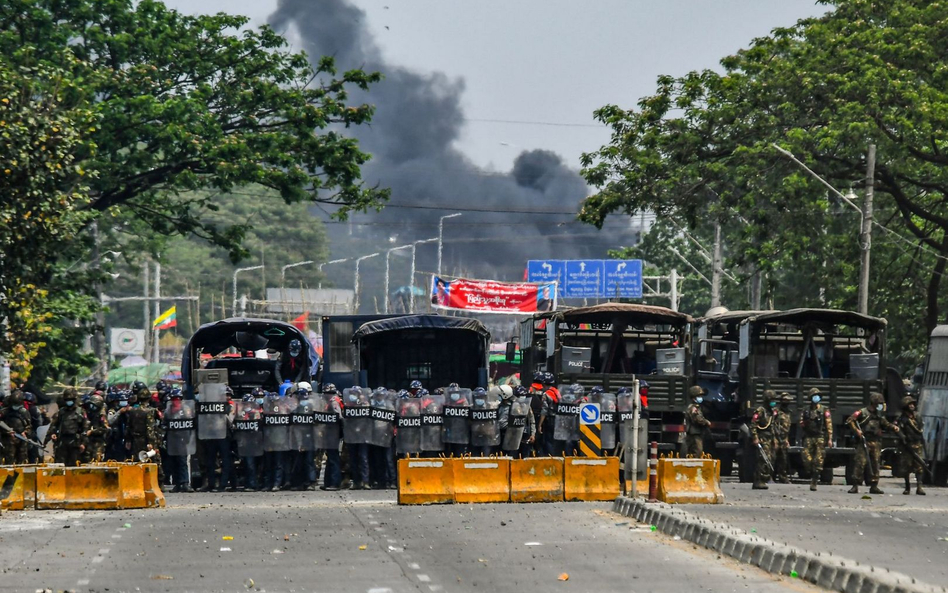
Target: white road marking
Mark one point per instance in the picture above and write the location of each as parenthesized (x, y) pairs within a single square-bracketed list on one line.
[(424, 578), (373, 522), (413, 566), (103, 551), (82, 582), (435, 587), (379, 590), (391, 541), (98, 559), (116, 536)]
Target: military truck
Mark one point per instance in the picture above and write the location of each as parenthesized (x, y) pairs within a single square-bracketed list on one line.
[(612, 344), (933, 405), (842, 353)]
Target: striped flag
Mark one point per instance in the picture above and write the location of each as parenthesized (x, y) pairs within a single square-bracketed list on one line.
[(166, 320)]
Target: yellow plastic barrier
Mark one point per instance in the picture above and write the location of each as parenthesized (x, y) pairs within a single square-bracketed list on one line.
[(50, 487), (591, 478), (131, 491), (425, 481), (19, 484), (689, 481), (536, 479), (95, 487), (482, 479), (154, 497)]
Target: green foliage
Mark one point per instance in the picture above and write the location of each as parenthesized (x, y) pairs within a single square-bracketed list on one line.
[(700, 149)]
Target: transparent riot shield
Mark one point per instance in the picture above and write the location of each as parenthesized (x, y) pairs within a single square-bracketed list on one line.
[(212, 412), (357, 416), (408, 433), (326, 430), (302, 422), (180, 428), (566, 423), (516, 424), (625, 405), (457, 417), (607, 419), (485, 421), (248, 429), (276, 422), (382, 404), (432, 422)]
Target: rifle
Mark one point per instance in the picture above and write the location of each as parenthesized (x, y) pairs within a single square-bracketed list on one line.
[(865, 446), (6, 427), (908, 449), (763, 455)]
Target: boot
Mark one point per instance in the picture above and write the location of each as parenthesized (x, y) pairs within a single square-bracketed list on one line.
[(918, 485), (759, 486), (813, 482), (908, 486), (874, 489), (854, 489)]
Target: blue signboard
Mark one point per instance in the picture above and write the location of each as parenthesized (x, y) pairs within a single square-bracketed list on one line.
[(547, 271), (623, 279), (584, 279)]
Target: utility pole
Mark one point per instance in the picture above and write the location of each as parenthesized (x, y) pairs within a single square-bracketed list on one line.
[(440, 240), (865, 236), (355, 282), (156, 351), (673, 291), (146, 293), (388, 259), (411, 280), (716, 267)]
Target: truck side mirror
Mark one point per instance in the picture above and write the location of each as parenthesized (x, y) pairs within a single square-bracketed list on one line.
[(511, 353)]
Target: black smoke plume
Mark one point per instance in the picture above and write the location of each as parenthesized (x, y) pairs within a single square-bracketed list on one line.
[(418, 118)]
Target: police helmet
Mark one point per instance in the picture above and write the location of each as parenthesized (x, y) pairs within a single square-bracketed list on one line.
[(479, 392), (228, 391), (628, 390), (597, 390), (453, 386), (538, 377), (101, 386), (422, 392), (329, 388), (29, 397), (248, 398), (577, 389), (438, 391), (521, 391), (138, 386), (548, 379), (304, 386), (416, 384), (295, 348), (506, 392), (160, 385), (403, 394), (258, 392), (176, 393)]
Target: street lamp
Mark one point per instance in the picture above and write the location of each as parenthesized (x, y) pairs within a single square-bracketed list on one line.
[(441, 236), (411, 280), (388, 254), (283, 280), (355, 283), (319, 268), (237, 271)]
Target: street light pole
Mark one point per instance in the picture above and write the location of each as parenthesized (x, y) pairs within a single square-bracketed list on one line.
[(411, 280), (441, 236), (388, 255), (355, 283), (319, 268), (283, 279), (237, 271)]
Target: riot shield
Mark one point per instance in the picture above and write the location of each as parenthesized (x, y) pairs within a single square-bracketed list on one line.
[(302, 421), (625, 404), (180, 429), (326, 430), (408, 434), (432, 421), (212, 412), (248, 429), (276, 422), (607, 419), (382, 405), (357, 416), (457, 417), (516, 424), (485, 421), (566, 423)]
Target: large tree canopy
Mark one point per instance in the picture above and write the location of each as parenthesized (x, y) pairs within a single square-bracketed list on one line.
[(179, 109), (701, 148)]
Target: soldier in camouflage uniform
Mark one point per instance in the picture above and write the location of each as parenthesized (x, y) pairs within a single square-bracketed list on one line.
[(139, 430), (910, 425), (98, 434), (816, 424), (868, 424), (67, 430), (695, 424), (763, 435), (782, 422), (17, 417)]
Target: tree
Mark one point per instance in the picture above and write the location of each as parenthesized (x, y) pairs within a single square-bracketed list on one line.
[(180, 110), (702, 147)]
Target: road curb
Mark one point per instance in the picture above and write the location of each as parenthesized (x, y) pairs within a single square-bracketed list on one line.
[(824, 570)]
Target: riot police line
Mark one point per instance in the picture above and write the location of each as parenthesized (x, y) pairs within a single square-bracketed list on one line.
[(276, 441)]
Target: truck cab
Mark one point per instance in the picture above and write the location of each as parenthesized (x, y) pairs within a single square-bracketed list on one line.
[(612, 344)]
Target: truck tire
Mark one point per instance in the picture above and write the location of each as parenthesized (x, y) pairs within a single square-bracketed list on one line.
[(826, 476), (726, 457)]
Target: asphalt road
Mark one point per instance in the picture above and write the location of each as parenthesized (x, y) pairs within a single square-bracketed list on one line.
[(356, 542), (908, 534)]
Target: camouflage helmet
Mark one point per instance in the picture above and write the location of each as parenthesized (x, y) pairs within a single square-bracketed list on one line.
[(786, 398), (96, 401), (813, 391), (15, 398), (876, 399), (770, 395), (907, 401), (695, 391), (70, 393)]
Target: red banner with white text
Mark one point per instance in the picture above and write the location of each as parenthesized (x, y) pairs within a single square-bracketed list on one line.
[(492, 297)]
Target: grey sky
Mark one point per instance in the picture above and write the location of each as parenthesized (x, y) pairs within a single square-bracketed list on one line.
[(551, 60)]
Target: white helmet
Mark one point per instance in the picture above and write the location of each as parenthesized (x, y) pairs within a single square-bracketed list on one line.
[(506, 392), (304, 386)]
